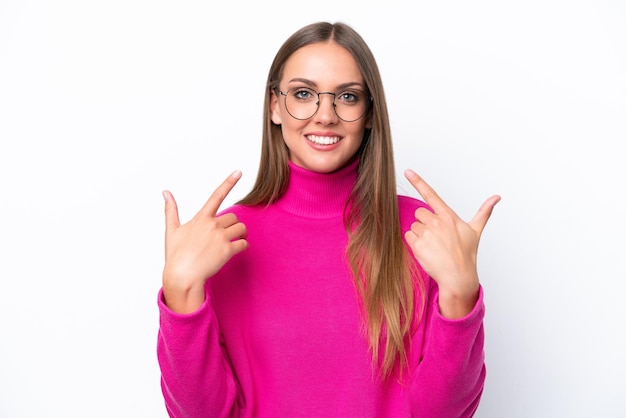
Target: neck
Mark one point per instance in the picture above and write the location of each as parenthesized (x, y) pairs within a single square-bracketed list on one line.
[(318, 195)]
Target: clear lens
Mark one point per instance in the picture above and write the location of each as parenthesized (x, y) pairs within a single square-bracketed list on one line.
[(302, 103)]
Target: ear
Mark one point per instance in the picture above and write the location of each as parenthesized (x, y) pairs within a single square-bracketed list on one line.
[(368, 121), (274, 108)]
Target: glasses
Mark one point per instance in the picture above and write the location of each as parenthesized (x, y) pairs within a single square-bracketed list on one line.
[(302, 103)]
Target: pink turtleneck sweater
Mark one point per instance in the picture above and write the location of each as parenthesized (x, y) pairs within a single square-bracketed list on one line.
[(280, 333)]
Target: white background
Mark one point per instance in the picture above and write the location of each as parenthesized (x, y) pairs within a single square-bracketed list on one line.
[(103, 104)]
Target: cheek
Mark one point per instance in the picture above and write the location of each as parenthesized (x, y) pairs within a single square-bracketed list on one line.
[(291, 130), (289, 124), (359, 135)]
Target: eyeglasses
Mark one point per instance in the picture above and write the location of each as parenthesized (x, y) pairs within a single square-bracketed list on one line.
[(302, 103)]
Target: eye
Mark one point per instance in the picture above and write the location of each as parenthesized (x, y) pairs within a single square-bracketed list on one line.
[(350, 97), (303, 94)]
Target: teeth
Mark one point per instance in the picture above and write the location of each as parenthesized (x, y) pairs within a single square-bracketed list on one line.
[(323, 140)]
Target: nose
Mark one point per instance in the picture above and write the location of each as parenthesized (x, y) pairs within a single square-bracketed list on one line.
[(326, 108)]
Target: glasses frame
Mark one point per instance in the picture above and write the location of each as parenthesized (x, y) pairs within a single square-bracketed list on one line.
[(368, 104)]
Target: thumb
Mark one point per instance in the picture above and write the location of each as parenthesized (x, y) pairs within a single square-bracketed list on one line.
[(171, 211), (484, 213)]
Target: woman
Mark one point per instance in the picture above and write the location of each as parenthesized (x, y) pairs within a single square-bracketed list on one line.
[(323, 292)]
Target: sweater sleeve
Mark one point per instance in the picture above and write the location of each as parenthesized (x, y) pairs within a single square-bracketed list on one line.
[(449, 378), (196, 377)]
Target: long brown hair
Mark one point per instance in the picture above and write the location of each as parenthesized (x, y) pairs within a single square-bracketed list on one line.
[(383, 269)]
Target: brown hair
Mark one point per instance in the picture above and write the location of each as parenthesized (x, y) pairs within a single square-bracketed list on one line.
[(382, 266)]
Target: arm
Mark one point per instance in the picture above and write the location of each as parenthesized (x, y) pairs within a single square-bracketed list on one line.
[(450, 376), (449, 380), (196, 377)]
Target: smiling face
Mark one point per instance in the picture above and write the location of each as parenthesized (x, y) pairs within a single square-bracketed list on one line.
[(323, 143)]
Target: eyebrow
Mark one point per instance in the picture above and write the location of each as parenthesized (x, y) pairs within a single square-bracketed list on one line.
[(313, 84)]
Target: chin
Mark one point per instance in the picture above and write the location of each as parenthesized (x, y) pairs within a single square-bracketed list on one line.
[(324, 166), (323, 162)]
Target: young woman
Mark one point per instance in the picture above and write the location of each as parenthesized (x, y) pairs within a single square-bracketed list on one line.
[(323, 293)]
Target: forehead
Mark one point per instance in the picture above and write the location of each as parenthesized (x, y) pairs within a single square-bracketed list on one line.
[(324, 64)]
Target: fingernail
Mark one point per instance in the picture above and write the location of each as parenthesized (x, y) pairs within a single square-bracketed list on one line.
[(236, 174), (164, 195)]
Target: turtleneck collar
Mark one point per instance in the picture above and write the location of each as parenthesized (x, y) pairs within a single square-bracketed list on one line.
[(318, 195)]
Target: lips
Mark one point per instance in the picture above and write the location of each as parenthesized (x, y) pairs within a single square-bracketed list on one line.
[(323, 140)]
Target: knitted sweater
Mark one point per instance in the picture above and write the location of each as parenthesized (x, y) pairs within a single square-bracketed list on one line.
[(280, 333)]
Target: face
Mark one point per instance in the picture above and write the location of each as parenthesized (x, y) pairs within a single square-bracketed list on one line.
[(322, 143)]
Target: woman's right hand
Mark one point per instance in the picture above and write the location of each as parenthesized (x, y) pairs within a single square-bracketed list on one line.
[(199, 248)]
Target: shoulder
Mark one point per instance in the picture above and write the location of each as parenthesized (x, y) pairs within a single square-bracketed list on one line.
[(410, 203), (407, 206), (243, 211)]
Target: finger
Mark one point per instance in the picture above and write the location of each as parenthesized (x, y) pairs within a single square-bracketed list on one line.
[(410, 237), (484, 213), (226, 220), (171, 211), (236, 232), (415, 232), (215, 200), (428, 193), (423, 214), (238, 246)]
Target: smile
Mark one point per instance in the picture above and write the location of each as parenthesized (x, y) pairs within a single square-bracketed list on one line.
[(323, 140)]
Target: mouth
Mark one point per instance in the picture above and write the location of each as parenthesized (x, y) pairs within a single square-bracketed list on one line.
[(323, 140)]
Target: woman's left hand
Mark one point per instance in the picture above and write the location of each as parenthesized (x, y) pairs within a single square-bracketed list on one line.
[(447, 247)]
